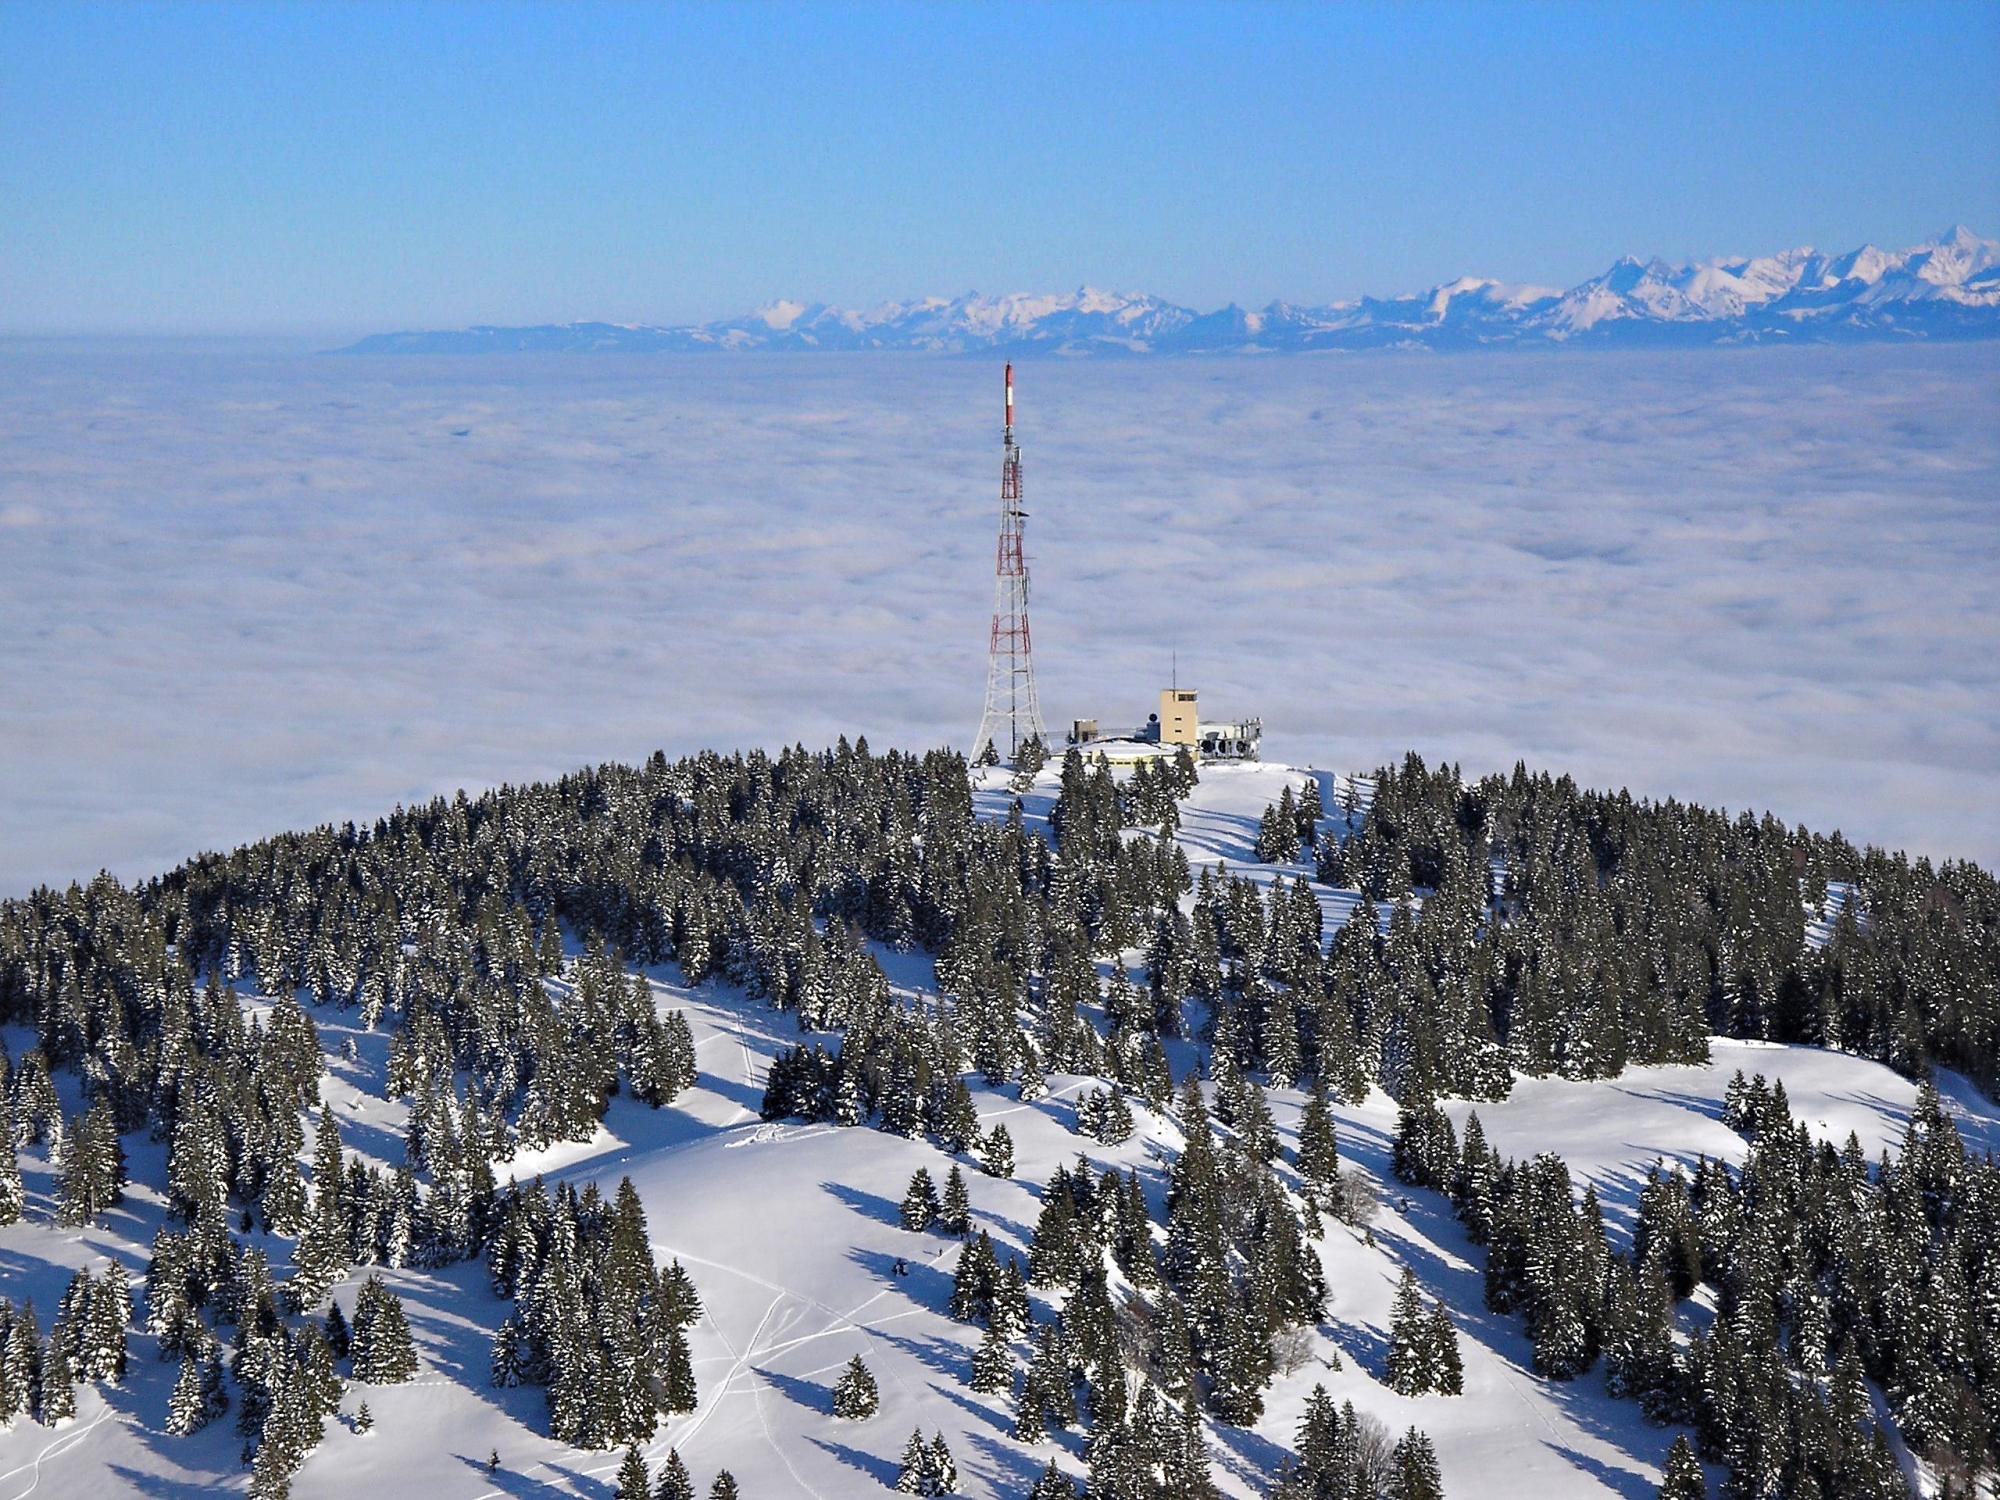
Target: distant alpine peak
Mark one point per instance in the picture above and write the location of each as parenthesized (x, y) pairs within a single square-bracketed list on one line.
[(1946, 288)]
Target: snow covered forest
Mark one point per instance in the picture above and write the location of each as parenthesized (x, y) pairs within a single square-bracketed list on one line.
[(835, 1122)]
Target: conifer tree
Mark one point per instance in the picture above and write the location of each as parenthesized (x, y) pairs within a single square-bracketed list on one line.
[(1053, 1484), (854, 1394), (93, 1167), (13, 1197), (1412, 1368), (634, 1483), (15, 1397), (1447, 1363), (955, 1210), (914, 1477), (723, 1487), (677, 1376), (21, 1363), (383, 1351), (1684, 1479), (920, 1202), (975, 1281), (339, 1338), (675, 1481), (996, 1155), (187, 1411), (1413, 1469), (944, 1472), (1319, 1149), (58, 1383), (215, 1399), (1030, 1422), (992, 1363)]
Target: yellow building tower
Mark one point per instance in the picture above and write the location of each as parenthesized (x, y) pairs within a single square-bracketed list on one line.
[(1179, 723)]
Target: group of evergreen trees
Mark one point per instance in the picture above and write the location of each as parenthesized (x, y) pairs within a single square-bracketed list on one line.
[(1625, 931), (1829, 1271), (636, 1482), (927, 1467), (1423, 1345), (87, 1341), (1559, 931), (595, 1322), (1343, 1455)]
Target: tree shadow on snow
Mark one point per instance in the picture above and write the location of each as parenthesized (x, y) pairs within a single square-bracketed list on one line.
[(883, 1471), (1231, 837), (503, 1479), (1628, 1483), (925, 1283), (735, 1091), (1000, 1423), (1693, 1103), (371, 1140), (160, 1486), (1009, 1469), (940, 1356), (872, 1205), (814, 1397), (1247, 1455)]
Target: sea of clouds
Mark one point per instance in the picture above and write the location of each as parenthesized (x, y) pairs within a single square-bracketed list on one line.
[(243, 590)]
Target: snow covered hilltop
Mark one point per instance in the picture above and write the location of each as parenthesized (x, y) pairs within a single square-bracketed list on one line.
[(845, 1122), (1945, 288)]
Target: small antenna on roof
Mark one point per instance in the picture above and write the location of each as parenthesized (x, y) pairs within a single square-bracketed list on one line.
[(1177, 671)]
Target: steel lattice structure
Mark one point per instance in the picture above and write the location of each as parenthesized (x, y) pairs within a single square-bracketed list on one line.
[(1013, 715)]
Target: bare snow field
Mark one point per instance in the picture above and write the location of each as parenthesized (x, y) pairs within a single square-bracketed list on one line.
[(243, 590), (790, 1233)]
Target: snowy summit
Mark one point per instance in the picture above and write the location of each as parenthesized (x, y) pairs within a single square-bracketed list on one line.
[(1945, 288)]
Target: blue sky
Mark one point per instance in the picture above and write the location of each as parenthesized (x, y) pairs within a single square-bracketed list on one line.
[(318, 169)]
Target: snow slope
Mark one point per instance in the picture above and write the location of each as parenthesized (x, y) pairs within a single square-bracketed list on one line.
[(789, 1231)]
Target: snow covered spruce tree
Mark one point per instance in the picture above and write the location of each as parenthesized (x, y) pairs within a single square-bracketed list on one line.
[(1683, 1479), (633, 1482), (996, 1153), (383, 1352), (854, 1394), (1413, 1469), (675, 1481), (920, 1202), (1412, 1365)]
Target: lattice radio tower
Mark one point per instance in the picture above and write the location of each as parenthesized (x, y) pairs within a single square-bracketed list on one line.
[(1012, 715)]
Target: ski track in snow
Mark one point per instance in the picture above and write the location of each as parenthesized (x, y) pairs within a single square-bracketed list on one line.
[(62, 1443)]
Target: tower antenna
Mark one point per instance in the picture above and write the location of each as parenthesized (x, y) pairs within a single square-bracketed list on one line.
[(1013, 714)]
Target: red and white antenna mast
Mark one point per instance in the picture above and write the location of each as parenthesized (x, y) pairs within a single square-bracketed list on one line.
[(1013, 715)]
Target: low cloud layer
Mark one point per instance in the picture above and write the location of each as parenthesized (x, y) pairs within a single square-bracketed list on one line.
[(240, 593)]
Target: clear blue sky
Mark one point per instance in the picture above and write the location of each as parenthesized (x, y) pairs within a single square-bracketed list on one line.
[(348, 167)]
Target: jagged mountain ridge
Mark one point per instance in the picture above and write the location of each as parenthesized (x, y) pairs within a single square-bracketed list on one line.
[(1947, 287)]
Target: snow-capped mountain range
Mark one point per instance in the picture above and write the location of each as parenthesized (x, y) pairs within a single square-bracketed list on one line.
[(1948, 287)]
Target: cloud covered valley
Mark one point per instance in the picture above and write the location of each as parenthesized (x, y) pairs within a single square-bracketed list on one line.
[(248, 590)]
